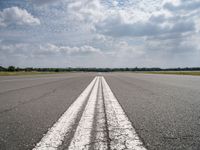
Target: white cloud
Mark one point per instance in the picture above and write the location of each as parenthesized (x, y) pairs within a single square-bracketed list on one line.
[(17, 16), (122, 18), (89, 11), (182, 5), (117, 28), (41, 2), (123, 33), (43, 55), (54, 49), (34, 50)]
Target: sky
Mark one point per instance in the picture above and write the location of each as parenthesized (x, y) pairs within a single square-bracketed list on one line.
[(100, 33)]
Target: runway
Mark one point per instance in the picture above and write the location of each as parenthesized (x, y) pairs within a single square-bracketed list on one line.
[(99, 111)]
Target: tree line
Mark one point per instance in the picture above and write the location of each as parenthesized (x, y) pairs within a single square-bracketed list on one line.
[(69, 69)]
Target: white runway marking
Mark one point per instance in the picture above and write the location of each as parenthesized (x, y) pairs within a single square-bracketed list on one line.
[(56, 134), (103, 124), (82, 136), (101, 137), (121, 132)]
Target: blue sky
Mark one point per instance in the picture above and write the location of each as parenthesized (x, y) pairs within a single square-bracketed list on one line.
[(100, 33)]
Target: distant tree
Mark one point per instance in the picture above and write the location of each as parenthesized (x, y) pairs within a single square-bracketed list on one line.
[(11, 68), (17, 69), (29, 69), (2, 68), (56, 70)]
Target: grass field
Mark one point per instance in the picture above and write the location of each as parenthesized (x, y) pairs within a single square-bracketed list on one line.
[(194, 73), (25, 73)]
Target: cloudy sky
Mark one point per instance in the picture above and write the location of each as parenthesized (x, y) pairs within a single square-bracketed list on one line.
[(100, 33)]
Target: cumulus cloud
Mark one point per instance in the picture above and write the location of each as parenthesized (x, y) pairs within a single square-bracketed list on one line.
[(182, 5), (117, 28), (130, 21), (43, 55), (123, 33), (49, 49), (45, 50), (17, 16), (41, 2), (89, 11)]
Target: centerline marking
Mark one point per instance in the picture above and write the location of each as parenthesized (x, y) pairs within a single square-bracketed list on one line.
[(63, 126), (82, 135), (121, 132), (103, 124)]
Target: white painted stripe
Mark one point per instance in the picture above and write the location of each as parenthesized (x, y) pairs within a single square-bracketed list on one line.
[(63, 126), (96, 130), (101, 138), (121, 133), (82, 136)]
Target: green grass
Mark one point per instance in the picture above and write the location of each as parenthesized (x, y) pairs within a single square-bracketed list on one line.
[(194, 73), (25, 73)]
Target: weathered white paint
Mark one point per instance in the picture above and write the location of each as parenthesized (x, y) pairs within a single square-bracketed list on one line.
[(63, 126), (82, 136), (121, 132), (103, 124), (100, 141)]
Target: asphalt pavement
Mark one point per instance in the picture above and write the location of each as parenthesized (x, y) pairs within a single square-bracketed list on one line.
[(163, 109), (30, 105)]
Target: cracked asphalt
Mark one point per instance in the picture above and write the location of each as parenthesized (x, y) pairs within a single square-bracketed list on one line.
[(164, 109), (30, 105)]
